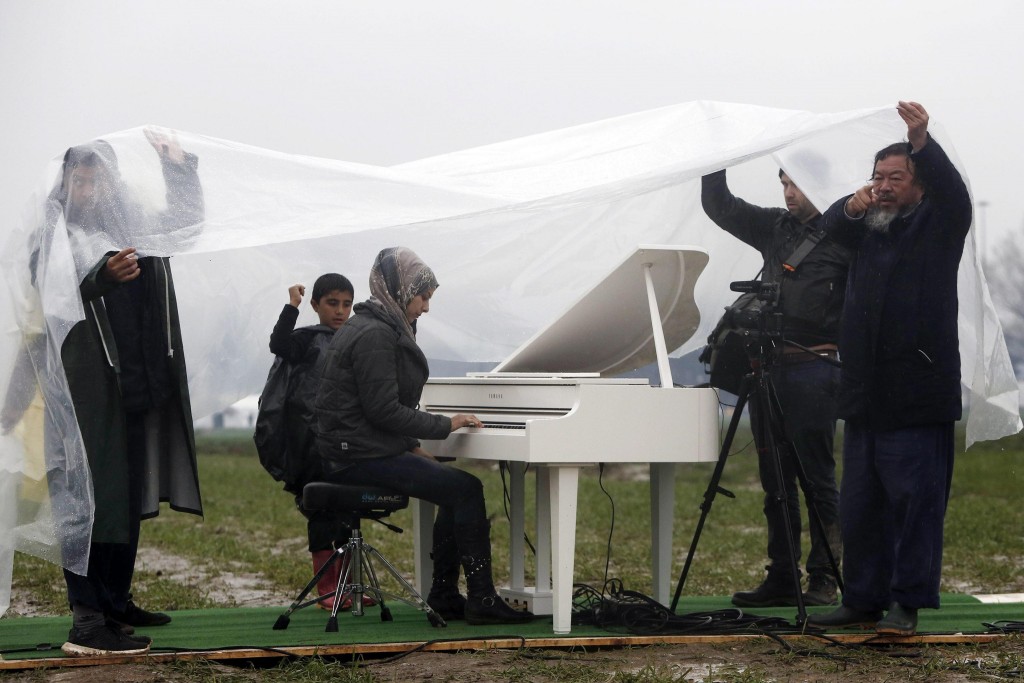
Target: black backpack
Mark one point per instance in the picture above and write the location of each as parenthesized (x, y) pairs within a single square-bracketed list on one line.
[(284, 435)]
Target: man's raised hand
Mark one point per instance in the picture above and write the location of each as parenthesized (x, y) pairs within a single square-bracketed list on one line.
[(916, 118)]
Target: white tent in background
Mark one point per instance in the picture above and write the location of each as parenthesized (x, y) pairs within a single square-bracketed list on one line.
[(515, 231)]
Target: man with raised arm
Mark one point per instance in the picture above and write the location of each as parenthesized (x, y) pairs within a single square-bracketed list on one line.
[(900, 384), (811, 302)]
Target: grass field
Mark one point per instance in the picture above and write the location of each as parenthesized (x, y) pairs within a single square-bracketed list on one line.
[(252, 540), (252, 528)]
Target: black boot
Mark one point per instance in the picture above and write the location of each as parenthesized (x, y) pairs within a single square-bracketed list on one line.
[(444, 597), (900, 621), (845, 617), (483, 604), (777, 590), (821, 590)]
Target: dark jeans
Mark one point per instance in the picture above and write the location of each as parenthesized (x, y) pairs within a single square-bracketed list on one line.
[(108, 583), (325, 530), (894, 496), (458, 494), (806, 393)]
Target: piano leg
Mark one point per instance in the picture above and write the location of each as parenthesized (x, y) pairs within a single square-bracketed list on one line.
[(517, 526), (557, 489), (537, 598), (543, 503), (663, 479), (423, 541), (562, 491)]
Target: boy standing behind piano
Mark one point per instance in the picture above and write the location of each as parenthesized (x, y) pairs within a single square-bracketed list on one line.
[(283, 435)]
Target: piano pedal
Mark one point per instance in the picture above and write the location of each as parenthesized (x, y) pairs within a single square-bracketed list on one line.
[(528, 599)]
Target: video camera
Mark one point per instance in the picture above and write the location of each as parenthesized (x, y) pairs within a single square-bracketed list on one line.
[(757, 313), (742, 334)]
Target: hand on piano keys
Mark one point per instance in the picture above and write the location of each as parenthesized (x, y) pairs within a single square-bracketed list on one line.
[(461, 420)]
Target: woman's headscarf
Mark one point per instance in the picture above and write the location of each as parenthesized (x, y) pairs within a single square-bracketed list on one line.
[(396, 278)]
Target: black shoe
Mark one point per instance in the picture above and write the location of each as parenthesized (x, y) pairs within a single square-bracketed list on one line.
[(845, 617), (493, 610), (133, 615), (100, 641), (450, 604), (129, 632), (773, 592), (900, 621), (821, 590), (126, 629)]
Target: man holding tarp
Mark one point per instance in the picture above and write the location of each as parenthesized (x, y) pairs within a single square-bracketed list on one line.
[(900, 385), (810, 269)]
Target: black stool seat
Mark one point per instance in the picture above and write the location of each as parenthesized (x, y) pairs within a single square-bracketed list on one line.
[(321, 495)]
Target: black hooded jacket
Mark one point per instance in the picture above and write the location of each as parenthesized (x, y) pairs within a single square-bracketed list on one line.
[(811, 299), (366, 406)]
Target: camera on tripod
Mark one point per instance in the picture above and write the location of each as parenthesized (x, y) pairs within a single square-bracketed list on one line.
[(743, 333), (755, 315)]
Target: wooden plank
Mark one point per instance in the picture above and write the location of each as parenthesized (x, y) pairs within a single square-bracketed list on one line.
[(489, 644)]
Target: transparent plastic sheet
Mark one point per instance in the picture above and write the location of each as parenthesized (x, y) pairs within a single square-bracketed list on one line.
[(514, 231)]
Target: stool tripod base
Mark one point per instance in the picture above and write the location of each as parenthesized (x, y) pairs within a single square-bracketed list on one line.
[(359, 578)]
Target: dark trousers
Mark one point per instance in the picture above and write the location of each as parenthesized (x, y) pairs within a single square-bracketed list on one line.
[(806, 392), (894, 495), (325, 530), (458, 494), (108, 583)]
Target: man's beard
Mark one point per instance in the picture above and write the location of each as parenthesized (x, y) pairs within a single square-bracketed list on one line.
[(879, 220)]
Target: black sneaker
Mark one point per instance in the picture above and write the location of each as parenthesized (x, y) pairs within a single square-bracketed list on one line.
[(133, 615), (126, 629), (773, 592), (101, 641), (129, 632), (821, 590)]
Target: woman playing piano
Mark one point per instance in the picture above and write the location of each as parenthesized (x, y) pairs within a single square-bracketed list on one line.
[(368, 431)]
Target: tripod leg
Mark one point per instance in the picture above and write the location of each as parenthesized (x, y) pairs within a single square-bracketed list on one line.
[(297, 604), (713, 488), (812, 493), (416, 601), (346, 555), (773, 438)]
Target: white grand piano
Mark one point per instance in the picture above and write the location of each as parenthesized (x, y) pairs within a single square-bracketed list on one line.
[(555, 404)]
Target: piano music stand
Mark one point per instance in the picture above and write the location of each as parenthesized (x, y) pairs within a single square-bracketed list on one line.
[(757, 385)]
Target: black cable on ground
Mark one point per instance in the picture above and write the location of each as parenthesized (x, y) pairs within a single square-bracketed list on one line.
[(619, 609), (1004, 626), (41, 647)]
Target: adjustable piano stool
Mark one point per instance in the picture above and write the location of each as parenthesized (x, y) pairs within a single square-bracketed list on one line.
[(356, 503)]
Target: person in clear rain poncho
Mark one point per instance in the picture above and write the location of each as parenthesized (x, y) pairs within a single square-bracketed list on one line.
[(125, 375)]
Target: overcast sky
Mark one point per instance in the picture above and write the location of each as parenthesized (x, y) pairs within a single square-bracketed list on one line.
[(386, 82)]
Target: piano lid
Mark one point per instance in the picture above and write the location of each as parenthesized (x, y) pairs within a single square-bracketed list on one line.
[(608, 330)]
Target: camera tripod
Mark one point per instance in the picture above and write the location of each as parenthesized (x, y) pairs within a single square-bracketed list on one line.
[(757, 387)]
